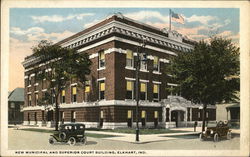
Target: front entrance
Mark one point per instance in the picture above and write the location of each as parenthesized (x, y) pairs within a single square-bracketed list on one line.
[(177, 116)]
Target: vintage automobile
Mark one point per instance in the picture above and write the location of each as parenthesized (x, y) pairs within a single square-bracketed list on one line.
[(69, 133), (216, 130)]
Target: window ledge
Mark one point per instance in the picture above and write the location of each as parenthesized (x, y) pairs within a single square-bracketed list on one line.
[(44, 90), (157, 72), (130, 68), (102, 68), (29, 86), (144, 71)]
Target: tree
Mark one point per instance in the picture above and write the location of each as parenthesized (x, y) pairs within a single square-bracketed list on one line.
[(65, 65), (209, 73)]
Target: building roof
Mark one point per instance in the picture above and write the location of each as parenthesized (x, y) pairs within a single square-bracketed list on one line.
[(17, 95)]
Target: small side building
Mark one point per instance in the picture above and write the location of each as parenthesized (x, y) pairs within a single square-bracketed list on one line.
[(15, 105)]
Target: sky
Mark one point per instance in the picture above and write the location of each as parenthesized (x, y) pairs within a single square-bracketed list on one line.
[(28, 26)]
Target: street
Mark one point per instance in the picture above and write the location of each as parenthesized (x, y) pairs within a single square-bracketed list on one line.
[(29, 140)]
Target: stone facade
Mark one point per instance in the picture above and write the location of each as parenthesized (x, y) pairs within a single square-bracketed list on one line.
[(114, 38)]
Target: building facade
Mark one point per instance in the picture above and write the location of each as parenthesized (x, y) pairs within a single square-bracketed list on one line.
[(15, 105), (108, 98)]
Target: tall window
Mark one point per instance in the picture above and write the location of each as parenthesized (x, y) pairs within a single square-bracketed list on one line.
[(129, 59), (29, 100), (101, 89), (73, 94), (156, 92), (63, 96), (143, 65), (101, 59), (87, 87), (52, 97), (130, 89), (73, 116), (36, 98), (143, 91), (29, 80), (156, 64)]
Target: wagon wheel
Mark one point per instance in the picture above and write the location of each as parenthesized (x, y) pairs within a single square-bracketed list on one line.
[(51, 140), (201, 137), (216, 137), (84, 140), (229, 135), (72, 141)]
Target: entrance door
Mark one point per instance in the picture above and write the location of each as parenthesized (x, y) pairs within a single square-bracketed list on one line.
[(174, 117), (50, 116)]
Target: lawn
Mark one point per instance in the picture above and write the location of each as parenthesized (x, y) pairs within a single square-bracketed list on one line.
[(142, 131)]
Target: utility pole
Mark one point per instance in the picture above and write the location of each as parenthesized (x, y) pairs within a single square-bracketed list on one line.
[(140, 48)]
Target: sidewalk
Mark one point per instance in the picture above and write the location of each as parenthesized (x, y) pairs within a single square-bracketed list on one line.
[(143, 138)]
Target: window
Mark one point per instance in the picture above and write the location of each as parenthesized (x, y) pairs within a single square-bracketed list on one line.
[(63, 96), (156, 92), (36, 98), (52, 97), (129, 114), (101, 59), (156, 64), (143, 91), (87, 86), (101, 90), (156, 114), (130, 89), (129, 59), (73, 116), (143, 65), (29, 100), (73, 94), (143, 114), (29, 80)]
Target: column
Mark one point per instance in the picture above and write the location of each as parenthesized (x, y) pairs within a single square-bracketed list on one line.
[(164, 116), (191, 114)]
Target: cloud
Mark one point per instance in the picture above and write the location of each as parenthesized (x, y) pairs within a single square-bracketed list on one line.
[(32, 30), (91, 23), (36, 34), (201, 19), (59, 18), (144, 15)]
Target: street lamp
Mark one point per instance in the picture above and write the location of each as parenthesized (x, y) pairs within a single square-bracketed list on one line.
[(139, 58)]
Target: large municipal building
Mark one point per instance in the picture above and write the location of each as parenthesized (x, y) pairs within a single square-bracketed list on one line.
[(108, 98)]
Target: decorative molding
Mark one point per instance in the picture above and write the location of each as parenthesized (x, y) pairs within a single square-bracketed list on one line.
[(156, 82), (141, 80), (93, 55), (172, 84), (102, 68), (157, 72), (130, 79), (130, 68), (119, 50), (73, 84), (101, 79)]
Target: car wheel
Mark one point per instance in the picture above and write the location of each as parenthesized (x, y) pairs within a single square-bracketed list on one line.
[(51, 140), (229, 135), (72, 141), (84, 140), (62, 135), (201, 137), (216, 137)]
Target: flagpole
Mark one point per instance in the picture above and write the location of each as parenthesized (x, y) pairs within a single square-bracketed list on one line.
[(170, 19)]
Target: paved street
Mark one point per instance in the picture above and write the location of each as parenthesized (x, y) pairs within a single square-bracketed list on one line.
[(29, 140)]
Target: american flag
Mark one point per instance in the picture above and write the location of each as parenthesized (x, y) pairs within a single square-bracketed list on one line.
[(177, 17)]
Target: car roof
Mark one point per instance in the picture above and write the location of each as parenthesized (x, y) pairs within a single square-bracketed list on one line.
[(73, 124)]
